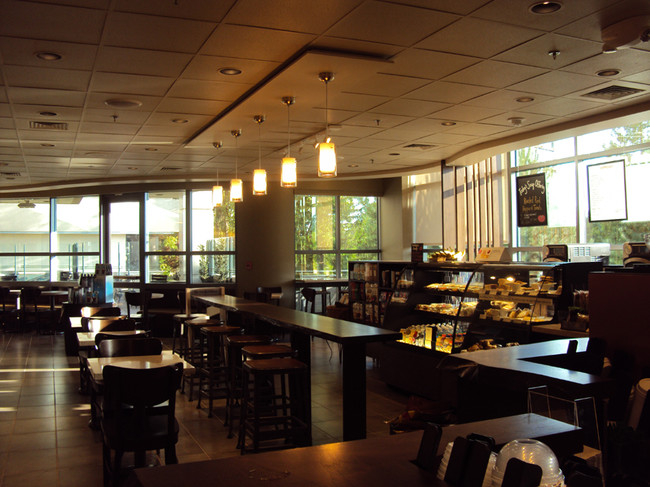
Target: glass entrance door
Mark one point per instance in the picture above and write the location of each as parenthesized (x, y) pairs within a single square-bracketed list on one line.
[(124, 242)]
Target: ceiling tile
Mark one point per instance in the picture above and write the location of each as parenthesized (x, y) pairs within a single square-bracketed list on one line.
[(130, 84), (55, 22), (495, 74), (33, 112), (352, 45), (290, 15), (642, 77), (21, 53), (427, 64), (528, 119), (141, 61), (97, 100), (627, 61), (388, 85), (106, 115), (518, 13), (238, 41), (560, 107), (370, 119), (109, 128), (410, 108), (505, 100), (461, 38), (477, 129), (207, 90), (464, 113), (188, 106), (536, 51), (207, 68), (46, 97), (557, 83), (150, 32), (6, 123), (453, 6), (212, 11), (390, 23), (59, 79), (444, 92)]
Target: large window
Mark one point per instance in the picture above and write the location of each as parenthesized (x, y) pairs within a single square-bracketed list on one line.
[(43, 239), (213, 239), (165, 235), (567, 187), (332, 230)]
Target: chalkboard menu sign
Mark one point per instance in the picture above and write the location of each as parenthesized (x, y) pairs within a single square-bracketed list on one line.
[(531, 201), (417, 252)]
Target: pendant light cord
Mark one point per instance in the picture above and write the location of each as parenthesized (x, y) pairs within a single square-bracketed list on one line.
[(288, 129)]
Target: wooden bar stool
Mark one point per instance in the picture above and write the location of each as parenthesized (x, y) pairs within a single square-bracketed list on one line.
[(181, 331), (193, 351), (235, 344), (260, 352), (270, 419), (213, 371)]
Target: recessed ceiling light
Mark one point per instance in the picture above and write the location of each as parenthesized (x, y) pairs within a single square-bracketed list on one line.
[(393, 153), (48, 114), (546, 7), (180, 120), (353, 165), (47, 55), (608, 72), (47, 145), (151, 149), (123, 103), (524, 99), (131, 168), (448, 124), (230, 71)]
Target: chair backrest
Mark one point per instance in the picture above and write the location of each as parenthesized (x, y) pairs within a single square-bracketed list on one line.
[(29, 297), (197, 291), (143, 392), (310, 297), (110, 346)]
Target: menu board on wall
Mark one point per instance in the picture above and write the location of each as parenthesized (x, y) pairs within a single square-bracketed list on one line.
[(417, 252), (607, 193), (531, 201)]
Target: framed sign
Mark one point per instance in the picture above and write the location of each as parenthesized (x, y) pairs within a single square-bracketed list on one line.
[(531, 201), (607, 191)]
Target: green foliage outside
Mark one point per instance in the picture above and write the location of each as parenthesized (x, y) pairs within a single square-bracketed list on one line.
[(169, 264), (218, 267)]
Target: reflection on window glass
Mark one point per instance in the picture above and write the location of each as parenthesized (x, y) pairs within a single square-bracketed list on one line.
[(637, 175), (70, 267), (345, 258), (315, 266), (315, 222), (358, 223), (25, 225), (215, 268), (124, 223), (25, 268), (165, 221), (75, 227), (165, 268), (561, 201), (549, 151), (617, 137)]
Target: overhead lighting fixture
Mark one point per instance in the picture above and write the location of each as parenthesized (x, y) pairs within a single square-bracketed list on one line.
[(608, 72), (47, 145), (26, 204), (259, 174), (230, 71), (123, 103), (326, 150), (48, 55), (448, 124), (626, 33), (289, 176), (151, 149), (516, 121), (217, 189), (236, 185), (180, 120), (524, 99), (544, 8), (48, 114)]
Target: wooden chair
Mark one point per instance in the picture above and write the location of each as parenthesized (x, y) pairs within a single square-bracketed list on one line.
[(134, 300), (126, 347), (111, 323), (138, 415), (32, 310), (310, 298), (269, 292), (9, 313)]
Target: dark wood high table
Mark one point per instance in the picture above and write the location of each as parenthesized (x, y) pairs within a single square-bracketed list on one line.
[(386, 461), (353, 338)]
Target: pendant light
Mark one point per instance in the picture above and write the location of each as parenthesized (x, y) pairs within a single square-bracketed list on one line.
[(326, 150), (259, 174), (289, 178), (236, 185), (217, 190)]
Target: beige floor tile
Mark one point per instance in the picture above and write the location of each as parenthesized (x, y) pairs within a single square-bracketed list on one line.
[(32, 478), (37, 425), (19, 462), (32, 441)]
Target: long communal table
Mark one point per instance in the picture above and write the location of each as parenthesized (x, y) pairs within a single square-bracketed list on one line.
[(353, 338), (386, 461)]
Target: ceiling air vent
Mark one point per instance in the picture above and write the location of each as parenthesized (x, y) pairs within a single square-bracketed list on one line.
[(48, 125), (613, 92), (419, 146), (167, 168), (9, 174)]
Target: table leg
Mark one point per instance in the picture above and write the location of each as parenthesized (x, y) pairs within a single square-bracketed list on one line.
[(354, 391), (301, 342)]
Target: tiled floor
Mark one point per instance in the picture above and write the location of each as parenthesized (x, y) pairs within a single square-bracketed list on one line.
[(44, 435)]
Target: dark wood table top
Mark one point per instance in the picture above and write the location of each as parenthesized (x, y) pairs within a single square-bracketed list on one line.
[(386, 461), (332, 329)]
